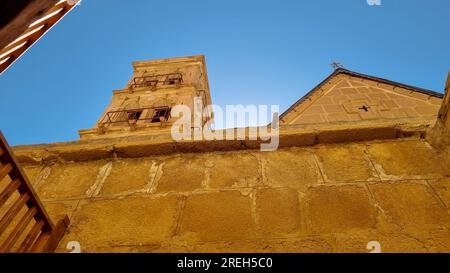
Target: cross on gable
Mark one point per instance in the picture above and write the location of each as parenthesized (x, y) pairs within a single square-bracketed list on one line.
[(336, 65), (365, 108)]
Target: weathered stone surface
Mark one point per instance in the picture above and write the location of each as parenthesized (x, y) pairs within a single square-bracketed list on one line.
[(406, 159), (127, 175), (291, 245), (437, 240), (331, 103), (293, 167), (343, 163), (288, 245), (410, 204), (180, 174), (278, 197), (131, 221), (218, 216), (57, 210), (32, 172), (234, 170), (439, 135), (331, 209), (277, 211), (392, 242), (442, 188), (363, 134), (70, 180)]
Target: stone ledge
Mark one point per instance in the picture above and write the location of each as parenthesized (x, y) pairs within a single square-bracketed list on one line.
[(160, 144)]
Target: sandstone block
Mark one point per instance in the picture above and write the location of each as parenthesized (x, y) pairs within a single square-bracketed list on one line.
[(429, 110), (406, 159), (344, 163), (333, 108), (70, 180), (127, 175), (57, 210), (333, 209), (391, 242), (218, 216), (32, 172), (316, 109), (130, 221), (277, 211), (309, 119), (442, 188), (410, 204), (182, 174), (295, 168), (234, 170), (335, 117), (287, 245)]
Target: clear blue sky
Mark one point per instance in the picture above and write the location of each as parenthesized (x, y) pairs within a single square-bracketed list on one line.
[(258, 52)]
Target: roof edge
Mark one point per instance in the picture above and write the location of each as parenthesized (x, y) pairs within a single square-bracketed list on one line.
[(363, 76)]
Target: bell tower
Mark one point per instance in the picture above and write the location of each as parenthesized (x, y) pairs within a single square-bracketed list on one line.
[(144, 105)]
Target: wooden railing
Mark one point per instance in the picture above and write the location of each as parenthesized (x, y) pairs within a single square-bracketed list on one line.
[(131, 116), (156, 80), (25, 225)]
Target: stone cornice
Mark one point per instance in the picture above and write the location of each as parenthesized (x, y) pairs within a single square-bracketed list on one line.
[(162, 143)]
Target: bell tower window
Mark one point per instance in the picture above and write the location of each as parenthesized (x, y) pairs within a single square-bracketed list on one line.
[(134, 114), (161, 113)]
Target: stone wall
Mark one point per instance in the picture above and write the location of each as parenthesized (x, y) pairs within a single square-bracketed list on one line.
[(341, 98), (439, 135), (321, 198)]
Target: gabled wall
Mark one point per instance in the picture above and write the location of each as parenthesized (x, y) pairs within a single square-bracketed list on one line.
[(346, 98)]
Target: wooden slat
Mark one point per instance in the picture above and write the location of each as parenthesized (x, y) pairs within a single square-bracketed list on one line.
[(4, 170), (48, 242), (31, 39), (44, 236), (18, 230), (13, 211), (31, 237), (40, 243), (25, 185), (33, 11), (8, 191), (57, 234)]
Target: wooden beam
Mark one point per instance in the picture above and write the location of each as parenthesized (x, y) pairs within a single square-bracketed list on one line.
[(17, 231), (27, 243), (44, 236), (50, 241), (4, 170), (8, 191), (46, 24), (25, 186), (33, 11), (23, 42), (13, 211), (39, 245)]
